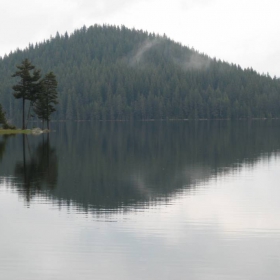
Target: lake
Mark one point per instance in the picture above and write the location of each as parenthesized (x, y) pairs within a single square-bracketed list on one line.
[(142, 200)]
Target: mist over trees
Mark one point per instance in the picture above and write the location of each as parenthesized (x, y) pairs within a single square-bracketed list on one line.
[(115, 73)]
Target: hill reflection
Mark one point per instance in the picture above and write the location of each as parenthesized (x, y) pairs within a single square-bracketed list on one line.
[(115, 165)]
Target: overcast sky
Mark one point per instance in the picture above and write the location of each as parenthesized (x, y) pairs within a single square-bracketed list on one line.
[(244, 32)]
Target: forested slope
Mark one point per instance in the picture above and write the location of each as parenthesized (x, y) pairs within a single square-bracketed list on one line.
[(109, 72)]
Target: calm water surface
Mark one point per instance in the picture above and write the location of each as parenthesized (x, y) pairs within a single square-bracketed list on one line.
[(144, 200)]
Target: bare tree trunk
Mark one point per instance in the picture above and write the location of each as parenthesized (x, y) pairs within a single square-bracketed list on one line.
[(28, 114), (23, 113)]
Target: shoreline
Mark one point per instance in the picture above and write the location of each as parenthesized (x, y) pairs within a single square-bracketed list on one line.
[(15, 131), (34, 131)]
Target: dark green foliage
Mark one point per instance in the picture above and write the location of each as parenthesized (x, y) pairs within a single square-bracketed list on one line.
[(27, 87), (8, 126), (47, 98), (109, 72), (2, 116), (3, 121)]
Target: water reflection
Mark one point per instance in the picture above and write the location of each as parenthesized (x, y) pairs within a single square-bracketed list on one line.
[(219, 218), (3, 142), (38, 169), (120, 165)]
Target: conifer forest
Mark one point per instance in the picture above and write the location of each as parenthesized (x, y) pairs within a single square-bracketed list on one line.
[(115, 73)]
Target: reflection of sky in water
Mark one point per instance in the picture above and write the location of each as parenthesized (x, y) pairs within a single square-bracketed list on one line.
[(227, 228)]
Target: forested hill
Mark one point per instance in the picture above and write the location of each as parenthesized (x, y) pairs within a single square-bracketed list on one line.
[(108, 72)]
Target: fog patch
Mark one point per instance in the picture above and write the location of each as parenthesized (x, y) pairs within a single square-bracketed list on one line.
[(141, 186), (187, 59), (137, 58), (195, 61)]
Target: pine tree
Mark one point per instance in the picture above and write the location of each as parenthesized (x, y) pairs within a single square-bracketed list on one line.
[(47, 98), (28, 85), (112, 74)]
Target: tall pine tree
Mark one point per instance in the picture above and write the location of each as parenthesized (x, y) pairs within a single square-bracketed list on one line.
[(46, 100), (28, 86)]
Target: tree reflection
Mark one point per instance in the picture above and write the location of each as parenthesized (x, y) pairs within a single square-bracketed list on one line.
[(3, 145), (117, 165), (38, 169), (121, 165)]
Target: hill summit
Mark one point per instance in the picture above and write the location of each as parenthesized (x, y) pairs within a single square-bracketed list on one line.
[(115, 73)]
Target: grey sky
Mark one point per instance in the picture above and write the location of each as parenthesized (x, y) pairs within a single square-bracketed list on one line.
[(244, 32)]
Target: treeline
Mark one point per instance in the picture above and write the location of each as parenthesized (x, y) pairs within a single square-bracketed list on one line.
[(115, 73)]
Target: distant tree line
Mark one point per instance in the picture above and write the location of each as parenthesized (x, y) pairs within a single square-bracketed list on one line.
[(115, 73)]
